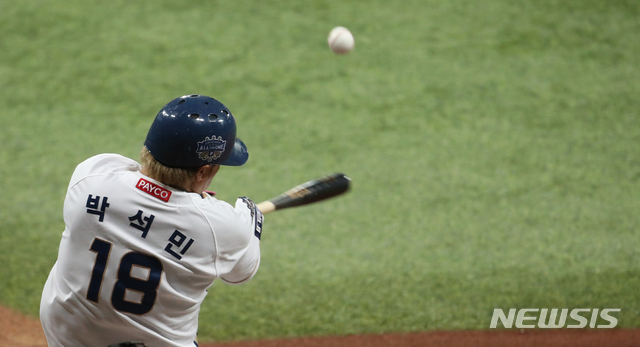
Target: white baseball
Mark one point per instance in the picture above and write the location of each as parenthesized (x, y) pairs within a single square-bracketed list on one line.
[(341, 40)]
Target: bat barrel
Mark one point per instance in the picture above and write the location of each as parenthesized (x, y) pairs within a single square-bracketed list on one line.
[(313, 191)]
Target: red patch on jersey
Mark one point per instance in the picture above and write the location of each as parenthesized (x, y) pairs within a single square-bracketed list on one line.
[(154, 190)]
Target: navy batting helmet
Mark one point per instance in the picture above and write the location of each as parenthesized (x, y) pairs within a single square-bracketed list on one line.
[(195, 130)]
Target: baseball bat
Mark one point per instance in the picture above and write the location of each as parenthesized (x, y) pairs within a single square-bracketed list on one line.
[(307, 193)]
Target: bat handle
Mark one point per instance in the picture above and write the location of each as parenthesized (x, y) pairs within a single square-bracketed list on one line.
[(266, 207)]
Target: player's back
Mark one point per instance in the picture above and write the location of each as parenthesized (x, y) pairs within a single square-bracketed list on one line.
[(136, 258)]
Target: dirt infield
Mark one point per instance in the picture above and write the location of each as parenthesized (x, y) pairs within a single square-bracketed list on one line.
[(20, 331)]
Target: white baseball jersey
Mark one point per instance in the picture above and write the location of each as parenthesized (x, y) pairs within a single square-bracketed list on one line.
[(137, 257)]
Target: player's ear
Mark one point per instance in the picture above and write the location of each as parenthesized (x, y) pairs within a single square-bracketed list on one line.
[(207, 172)]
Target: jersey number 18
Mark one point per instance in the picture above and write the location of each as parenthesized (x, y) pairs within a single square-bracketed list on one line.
[(126, 282)]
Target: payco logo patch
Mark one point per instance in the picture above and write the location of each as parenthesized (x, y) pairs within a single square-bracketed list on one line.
[(554, 318)]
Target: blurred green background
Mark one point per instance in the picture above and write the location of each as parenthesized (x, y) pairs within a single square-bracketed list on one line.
[(493, 148)]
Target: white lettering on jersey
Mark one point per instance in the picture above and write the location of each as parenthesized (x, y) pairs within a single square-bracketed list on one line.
[(154, 190)]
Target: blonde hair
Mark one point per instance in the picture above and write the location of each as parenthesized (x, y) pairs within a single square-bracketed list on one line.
[(171, 176)]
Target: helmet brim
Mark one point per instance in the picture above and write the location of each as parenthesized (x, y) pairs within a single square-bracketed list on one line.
[(239, 154)]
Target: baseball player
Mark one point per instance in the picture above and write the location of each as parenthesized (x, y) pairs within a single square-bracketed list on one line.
[(143, 242)]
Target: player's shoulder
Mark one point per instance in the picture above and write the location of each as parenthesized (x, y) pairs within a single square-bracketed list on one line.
[(109, 160), (229, 223), (103, 164), (218, 212)]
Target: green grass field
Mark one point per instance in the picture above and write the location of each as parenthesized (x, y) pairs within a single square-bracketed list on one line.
[(493, 147)]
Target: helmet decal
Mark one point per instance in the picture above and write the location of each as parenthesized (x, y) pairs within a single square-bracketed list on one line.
[(211, 149)]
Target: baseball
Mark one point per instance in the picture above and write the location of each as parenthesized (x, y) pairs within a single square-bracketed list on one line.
[(341, 40)]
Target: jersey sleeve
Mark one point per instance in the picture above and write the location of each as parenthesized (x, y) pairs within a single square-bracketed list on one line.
[(248, 258)]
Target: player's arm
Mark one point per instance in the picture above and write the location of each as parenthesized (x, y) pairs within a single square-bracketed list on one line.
[(249, 229)]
